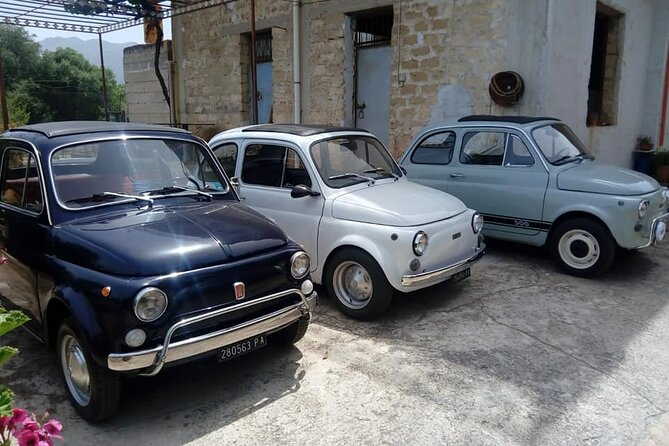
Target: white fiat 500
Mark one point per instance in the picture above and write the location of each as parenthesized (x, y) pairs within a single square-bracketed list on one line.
[(339, 193)]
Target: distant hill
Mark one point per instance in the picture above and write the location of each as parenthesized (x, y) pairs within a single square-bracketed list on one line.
[(113, 52)]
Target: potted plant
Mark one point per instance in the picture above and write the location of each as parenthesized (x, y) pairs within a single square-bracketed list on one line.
[(661, 162), (643, 155)]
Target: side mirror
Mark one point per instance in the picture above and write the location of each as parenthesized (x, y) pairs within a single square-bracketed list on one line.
[(301, 190), (234, 181)]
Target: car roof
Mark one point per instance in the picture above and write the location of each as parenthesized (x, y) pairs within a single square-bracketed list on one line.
[(295, 133), (522, 122), (299, 129), (68, 128), (511, 119)]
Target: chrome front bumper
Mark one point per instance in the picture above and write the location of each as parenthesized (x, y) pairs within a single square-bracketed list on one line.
[(439, 275), (659, 224), (154, 359)]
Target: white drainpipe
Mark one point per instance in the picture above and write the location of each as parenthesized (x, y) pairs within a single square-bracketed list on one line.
[(297, 84)]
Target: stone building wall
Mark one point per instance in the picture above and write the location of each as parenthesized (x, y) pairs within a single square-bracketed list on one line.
[(444, 53), (144, 97)]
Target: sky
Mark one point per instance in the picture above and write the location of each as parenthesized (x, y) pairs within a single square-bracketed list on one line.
[(134, 34)]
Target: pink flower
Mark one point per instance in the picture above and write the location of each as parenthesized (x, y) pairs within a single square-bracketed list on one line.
[(19, 415), (29, 438), (53, 428), (31, 425), (4, 422)]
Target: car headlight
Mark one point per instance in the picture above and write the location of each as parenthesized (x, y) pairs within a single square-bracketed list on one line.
[(643, 208), (477, 223), (299, 265), (150, 304), (420, 243)]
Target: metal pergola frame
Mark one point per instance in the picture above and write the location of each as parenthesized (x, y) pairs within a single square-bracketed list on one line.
[(103, 17)]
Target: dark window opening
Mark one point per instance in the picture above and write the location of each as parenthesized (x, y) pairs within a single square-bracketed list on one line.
[(603, 84), (263, 46), (370, 30)]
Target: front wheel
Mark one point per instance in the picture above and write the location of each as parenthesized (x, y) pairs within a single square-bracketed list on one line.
[(357, 284), (94, 391), (584, 247)]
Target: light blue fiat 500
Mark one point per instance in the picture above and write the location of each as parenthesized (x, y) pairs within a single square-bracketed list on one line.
[(536, 183)]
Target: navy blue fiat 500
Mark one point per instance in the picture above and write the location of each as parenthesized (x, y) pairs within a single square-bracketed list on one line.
[(129, 250)]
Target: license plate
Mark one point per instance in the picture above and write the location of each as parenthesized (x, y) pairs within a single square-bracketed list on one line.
[(242, 347), (461, 275)]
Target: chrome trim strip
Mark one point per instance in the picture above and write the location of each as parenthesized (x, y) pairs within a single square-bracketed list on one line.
[(442, 273), (653, 227), (156, 358), (122, 137), (40, 168)]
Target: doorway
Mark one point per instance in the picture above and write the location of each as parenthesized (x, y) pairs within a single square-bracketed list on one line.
[(373, 59), (264, 77)]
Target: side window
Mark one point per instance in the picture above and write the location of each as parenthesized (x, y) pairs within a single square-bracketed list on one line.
[(20, 180), (435, 149), (276, 166), (263, 165), (484, 148), (517, 153), (227, 156)]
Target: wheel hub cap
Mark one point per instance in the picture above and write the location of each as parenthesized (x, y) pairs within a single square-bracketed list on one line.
[(352, 285), (75, 369), (579, 249)]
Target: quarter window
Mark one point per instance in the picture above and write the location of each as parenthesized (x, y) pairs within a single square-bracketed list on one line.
[(485, 148), (517, 153), (435, 149), (20, 180), (276, 166)]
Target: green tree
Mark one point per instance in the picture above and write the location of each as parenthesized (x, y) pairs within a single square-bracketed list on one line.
[(53, 85), (20, 55)]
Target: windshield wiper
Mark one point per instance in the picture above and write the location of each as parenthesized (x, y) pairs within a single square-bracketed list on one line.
[(379, 170), (103, 195), (351, 175), (173, 189)]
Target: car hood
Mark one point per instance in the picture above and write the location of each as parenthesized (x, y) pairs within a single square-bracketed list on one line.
[(166, 239), (400, 203), (589, 176)]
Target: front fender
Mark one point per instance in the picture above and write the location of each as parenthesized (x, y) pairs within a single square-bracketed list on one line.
[(617, 213)]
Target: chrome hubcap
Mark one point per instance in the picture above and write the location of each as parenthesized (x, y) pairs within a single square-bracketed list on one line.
[(353, 285), (579, 249), (75, 370)]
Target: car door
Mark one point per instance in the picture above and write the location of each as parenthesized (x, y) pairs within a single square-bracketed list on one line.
[(267, 173), (23, 230), (495, 172), (492, 170)]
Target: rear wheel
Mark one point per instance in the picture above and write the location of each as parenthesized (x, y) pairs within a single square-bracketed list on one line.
[(357, 284), (584, 247), (94, 391), (291, 334)]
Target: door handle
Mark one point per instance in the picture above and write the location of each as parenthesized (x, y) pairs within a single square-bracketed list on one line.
[(457, 175)]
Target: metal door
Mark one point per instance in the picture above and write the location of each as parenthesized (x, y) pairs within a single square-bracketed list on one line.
[(372, 108), (264, 71)]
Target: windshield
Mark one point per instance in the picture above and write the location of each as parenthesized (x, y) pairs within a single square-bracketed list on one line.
[(107, 171), (351, 160), (559, 144)]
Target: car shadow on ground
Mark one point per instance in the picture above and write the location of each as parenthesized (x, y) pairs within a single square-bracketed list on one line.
[(553, 337), (189, 401)]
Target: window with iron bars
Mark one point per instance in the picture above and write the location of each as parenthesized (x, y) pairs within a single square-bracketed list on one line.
[(263, 46), (371, 30)]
